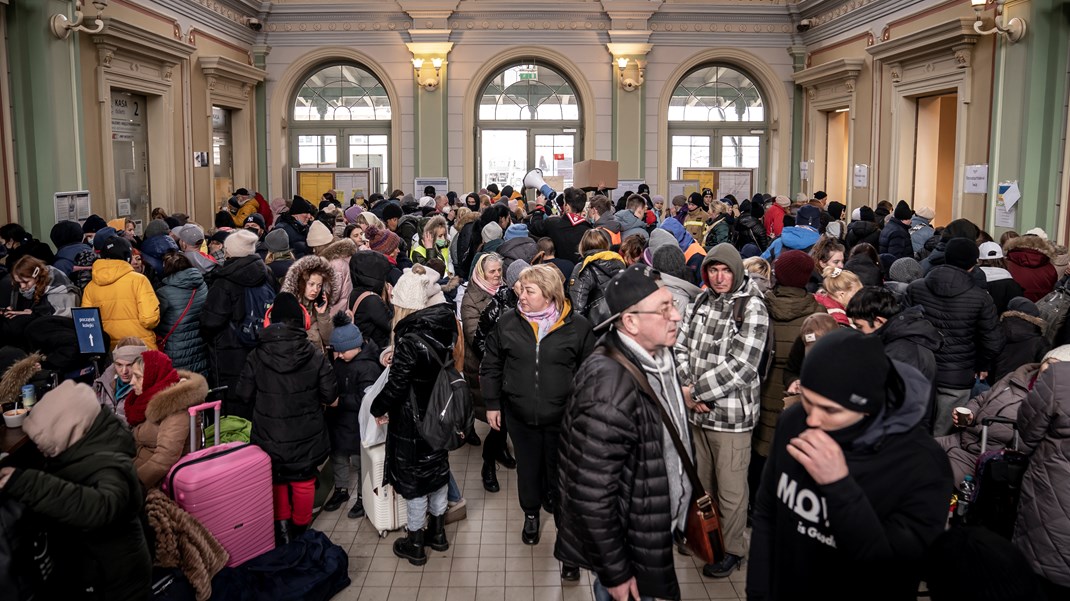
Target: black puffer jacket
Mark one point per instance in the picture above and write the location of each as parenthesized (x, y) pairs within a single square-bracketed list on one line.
[(287, 381), (863, 231), (343, 421), (297, 233), (1024, 343), (224, 306), (423, 341), (589, 281), (502, 302), (368, 270), (910, 338), (895, 240), (748, 230), (533, 380), (616, 517), (966, 316)]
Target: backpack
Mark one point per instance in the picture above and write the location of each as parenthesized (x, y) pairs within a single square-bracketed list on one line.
[(256, 302), (765, 364), (1053, 310), (597, 310), (449, 414)]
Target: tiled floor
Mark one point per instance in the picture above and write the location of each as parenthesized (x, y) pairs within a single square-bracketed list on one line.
[(486, 560)]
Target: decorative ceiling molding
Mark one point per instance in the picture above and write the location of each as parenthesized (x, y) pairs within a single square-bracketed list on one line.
[(832, 18), (226, 17), (927, 43), (230, 80), (831, 72), (131, 40)]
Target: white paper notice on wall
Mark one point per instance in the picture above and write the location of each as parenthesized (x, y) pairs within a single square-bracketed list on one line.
[(1005, 210), (1011, 196), (861, 176), (976, 179), (1005, 217), (804, 170), (124, 207)]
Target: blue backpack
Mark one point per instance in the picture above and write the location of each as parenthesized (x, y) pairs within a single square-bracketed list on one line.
[(257, 300)]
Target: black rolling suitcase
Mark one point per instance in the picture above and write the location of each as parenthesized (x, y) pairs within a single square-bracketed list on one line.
[(999, 483)]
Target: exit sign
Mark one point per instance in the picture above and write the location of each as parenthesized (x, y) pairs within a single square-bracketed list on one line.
[(528, 73)]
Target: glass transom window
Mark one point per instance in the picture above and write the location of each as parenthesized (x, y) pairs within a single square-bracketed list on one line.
[(716, 93), (341, 93)]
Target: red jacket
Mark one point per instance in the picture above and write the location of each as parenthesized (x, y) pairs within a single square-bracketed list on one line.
[(774, 220), (1029, 261)]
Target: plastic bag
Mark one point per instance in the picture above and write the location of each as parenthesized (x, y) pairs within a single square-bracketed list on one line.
[(371, 433)]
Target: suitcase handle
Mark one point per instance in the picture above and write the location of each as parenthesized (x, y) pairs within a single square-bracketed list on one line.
[(193, 411), (987, 421)]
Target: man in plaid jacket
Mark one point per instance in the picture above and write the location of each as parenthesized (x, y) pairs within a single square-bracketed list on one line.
[(723, 337)]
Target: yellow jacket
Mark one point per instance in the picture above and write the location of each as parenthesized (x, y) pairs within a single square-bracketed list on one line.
[(127, 302), (251, 206)]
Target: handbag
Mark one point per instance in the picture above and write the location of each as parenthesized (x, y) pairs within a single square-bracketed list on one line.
[(702, 532), (162, 342)]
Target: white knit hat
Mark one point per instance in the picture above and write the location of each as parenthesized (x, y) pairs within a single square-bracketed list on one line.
[(240, 243), (1059, 353), (411, 290), (318, 234), (427, 201)]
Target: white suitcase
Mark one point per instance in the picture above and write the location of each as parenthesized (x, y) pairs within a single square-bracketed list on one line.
[(384, 507)]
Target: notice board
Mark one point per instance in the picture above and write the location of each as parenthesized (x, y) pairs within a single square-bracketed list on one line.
[(345, 183), (737, 181)]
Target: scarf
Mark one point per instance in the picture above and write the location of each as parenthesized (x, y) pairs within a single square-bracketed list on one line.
[(159, 374), (122, 389), (575, 219), (483, 284), (544, 319)]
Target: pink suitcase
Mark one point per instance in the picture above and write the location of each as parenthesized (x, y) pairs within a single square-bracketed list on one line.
[(228, 489)]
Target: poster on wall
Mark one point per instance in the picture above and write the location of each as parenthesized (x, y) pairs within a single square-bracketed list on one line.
[(707, 178), (680, 187), (441, 184), (72, 206), (861, 176), (200, 159), (124, 207), (1006, 198), (804, 170), (739, 184), (976, 179), (625, 185)]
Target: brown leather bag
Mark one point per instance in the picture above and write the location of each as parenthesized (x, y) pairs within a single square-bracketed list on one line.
[(703, 530)]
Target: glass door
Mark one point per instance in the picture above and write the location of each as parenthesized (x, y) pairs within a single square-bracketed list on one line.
[(130, 153), (317, 151), (370, 150), (222, 155), (504, 157), (554, 154)]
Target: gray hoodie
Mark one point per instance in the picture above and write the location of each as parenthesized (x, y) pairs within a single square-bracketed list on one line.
[(630, 225)]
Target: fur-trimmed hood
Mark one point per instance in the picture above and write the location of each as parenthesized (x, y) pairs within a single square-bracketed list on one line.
[(307, 266), (1038, 322), (18, 375), (1028, 243), (341, 249), (190, 391)]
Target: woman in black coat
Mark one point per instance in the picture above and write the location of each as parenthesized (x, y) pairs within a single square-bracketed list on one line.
[(748, 228), (526, 375), (368, 271), (423, 342)]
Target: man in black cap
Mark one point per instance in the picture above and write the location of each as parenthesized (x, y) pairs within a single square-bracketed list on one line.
[(255, 223), (895, 237), (614, 442), (966, 316), (295, 223), (854, 491), (697, 214), (241, 205)]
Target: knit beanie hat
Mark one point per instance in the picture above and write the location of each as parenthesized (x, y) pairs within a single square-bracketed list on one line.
[(346, 335), (156, 227), (517, 230), (300, 206), (286, 308), (793, 269), (352, 212), (750, 250), (256, 218), (220, 236), (1023, 305), (411, 290), (382, 240), (318, 234), (783, 201), (491, 231), (392, 211), (669, 259), (835, 210), (905, 270), (277, 241), (856, 215), (62, 417), (847, 351), (240, 243), (808, 216), (961, 253), (116, 247), (661, 237), (512, 274), (902, 211), (93, 223), (925, 213), (1059, 353)]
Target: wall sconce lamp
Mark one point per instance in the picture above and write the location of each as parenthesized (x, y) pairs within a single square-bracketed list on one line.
[(429, 83), (629, 84), (62, 26), (1014, 29)]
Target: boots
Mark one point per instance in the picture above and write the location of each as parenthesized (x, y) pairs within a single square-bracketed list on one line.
[(411, 548), (282, 532), (490, 477), (436, 533), (339, 498), (296, 531), (357, 510)]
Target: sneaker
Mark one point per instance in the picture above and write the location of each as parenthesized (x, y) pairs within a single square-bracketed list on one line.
[(681, 544), (456, 511), (722, 568), (570, 573), (357, 510), (339, 498), (530, 534)]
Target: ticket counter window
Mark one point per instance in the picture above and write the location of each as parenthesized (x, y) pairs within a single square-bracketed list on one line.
[(130, 151)]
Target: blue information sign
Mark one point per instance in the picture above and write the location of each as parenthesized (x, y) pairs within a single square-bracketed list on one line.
[(90, 332)]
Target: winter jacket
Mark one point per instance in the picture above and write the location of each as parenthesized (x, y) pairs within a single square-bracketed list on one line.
[(966, 316), (616, 517), (247, 208), (225, 306), (503, 301), (589, 281), (696, 223), (287, 381), (368, 271), (320, 332), (1001, 286), (30, 247), (532, 379), (127, 302), (862, 231), (773, 220), (920, 232), (297, 234), (517, 249), (1029, 261), (630, 225), (338, 254), (895, 240), (832, 307), (865, 535), (909, 338), (473, 304), (749, 230), (422, 344), (566, 231), (353, 377), (719, 231), (59, 298), (684, 293), (163, 438), (104, 387), (279, 265), (610, 226), (868, 272), (66, 255), (793, 238), (1003, 399), (1043, 523), (205, 263), (153, 250), (184, 344), (1024, 343), (787, 308), (90, 500)]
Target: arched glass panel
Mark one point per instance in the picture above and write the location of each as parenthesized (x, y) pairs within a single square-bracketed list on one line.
[(341, 93), (716, 94), (528, 92)]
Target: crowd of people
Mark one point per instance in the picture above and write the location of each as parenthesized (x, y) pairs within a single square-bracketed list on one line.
[(828, 374)]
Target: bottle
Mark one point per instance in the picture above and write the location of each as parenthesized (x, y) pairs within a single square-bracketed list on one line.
[(29, 396), (966, 490)]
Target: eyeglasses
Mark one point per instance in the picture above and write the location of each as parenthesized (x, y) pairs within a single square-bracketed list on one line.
[(665, 311)]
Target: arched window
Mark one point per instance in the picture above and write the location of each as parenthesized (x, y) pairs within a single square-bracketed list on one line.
[(528, 117), (717, 118), (341, 118)]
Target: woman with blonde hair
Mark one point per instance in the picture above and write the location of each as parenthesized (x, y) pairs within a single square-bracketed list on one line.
[(542, 331), (840, 286)]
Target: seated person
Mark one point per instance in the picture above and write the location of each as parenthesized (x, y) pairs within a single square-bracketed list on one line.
[(113, 386)]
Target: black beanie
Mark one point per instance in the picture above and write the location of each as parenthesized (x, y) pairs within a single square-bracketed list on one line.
[(287, 309), (835, 210), (93, 224), (223, 219), (961, 253), (902, 211), (392, 211), (832, 366), (300, 206), (697, 200)]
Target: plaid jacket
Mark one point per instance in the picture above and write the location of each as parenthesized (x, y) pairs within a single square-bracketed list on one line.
[(720, 358)]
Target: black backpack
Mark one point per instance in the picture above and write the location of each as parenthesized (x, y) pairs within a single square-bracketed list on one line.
[(256, 299), (449, 415)]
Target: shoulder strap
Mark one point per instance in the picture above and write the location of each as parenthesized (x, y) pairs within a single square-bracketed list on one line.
[(360, 299), (739, 306), (163, 343), (697, 489)]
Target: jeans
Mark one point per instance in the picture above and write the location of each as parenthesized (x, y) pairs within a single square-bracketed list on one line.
[(601, 594), (340, 463), (453, 492), (417, 508)]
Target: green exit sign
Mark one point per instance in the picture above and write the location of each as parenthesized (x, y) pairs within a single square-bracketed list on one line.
[(528, 75)]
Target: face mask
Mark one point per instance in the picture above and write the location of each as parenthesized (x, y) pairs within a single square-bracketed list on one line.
[(440, 243), (28, 294)]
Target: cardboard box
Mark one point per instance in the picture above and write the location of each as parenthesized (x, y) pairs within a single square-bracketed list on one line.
[(590, 173)]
